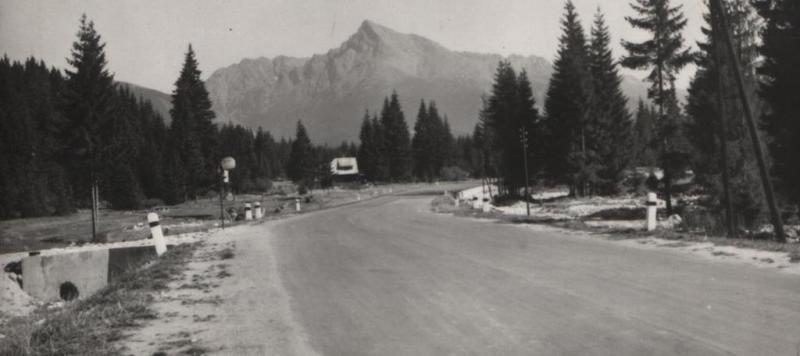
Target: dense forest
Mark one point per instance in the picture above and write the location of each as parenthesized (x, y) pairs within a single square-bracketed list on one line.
[(587, 139), (69, 137)]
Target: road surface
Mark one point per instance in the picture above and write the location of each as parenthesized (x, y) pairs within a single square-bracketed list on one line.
[(389, 277)]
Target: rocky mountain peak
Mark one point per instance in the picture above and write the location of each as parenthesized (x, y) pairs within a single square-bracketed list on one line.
[(330, 91)]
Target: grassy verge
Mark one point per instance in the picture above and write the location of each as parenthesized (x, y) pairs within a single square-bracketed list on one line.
[(92, 326), (447, 205)]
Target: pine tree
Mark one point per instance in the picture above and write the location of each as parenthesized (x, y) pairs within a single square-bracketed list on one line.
[(380, 165), (644, 135), (664, 52), (447, 145), (369, 150), (88, 95), (423, 144), (567, 105), (780, 89), (121, 135), (396, 140), (705, 121), (610, 138), (302, 163), (508, 111), (192, 132)]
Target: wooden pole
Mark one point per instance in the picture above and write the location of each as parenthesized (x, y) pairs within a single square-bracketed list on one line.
[(524, 139), (723, 140), (720, 19)]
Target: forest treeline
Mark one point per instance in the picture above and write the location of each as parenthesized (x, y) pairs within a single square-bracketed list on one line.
[(64, 134), (587, 139), (71, 136), (67, 133)]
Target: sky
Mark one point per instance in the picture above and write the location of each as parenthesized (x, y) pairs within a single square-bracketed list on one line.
[(146, 40)]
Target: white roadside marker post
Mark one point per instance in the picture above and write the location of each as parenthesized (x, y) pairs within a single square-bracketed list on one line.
[(297, 204), (652, 205), (158, 235), (248, 212), (258, 212)]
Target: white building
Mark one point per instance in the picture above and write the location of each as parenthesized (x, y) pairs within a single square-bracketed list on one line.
[(344, 166)]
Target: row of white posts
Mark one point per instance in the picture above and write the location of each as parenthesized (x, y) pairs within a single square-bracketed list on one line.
[(256, 212)]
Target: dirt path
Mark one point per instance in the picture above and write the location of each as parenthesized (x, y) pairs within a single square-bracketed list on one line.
[(229, 301)]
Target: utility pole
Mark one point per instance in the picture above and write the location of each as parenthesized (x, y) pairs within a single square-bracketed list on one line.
[(524, 138), (723, 138), (721, 22)]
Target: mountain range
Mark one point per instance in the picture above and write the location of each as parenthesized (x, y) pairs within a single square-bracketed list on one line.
[(330, 92)]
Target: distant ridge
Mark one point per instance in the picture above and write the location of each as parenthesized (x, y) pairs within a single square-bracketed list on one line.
[(161, 102), (330, 91)]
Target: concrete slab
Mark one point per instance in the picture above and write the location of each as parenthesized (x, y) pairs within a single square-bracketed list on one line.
[(43, 276), (121, 260)]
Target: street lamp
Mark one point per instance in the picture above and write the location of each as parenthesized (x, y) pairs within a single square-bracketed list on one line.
[(227, 164)]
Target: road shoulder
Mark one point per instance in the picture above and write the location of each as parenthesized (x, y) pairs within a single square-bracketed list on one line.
[(229, 300)]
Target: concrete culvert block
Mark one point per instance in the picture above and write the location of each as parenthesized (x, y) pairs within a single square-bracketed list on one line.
[(43, 276), (68, 291)]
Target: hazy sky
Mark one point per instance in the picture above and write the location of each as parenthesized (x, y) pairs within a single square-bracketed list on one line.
[(146, 40)]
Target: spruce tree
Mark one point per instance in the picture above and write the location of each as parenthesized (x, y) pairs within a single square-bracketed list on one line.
[(423, 144), (380, 166), (446, 145), (302, 162), (780, 89), (88, 95), (508, 111), (192, 131), (396, 140), (567, 106), (367, 150), (705, 121), (644, 135), (665, 53), (610, 138)]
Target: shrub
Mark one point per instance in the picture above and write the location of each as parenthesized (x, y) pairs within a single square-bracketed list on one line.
[(454, 173), (262, 184), (152, 202)]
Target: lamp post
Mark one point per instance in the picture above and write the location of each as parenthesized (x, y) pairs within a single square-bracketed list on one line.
[(227, 164)]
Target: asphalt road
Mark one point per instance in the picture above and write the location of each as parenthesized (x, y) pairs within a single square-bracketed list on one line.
[(389, 277)]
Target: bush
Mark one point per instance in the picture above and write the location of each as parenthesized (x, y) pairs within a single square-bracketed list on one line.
[(152, 202), (262, 184), (302, 189), (703, 220), (454, 173)]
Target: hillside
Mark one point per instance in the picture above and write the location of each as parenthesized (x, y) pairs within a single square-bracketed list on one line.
[(330, 91)]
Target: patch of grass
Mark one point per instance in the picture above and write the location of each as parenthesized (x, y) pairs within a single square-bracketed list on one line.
[(675, 244), (91, 326), (723, 253)]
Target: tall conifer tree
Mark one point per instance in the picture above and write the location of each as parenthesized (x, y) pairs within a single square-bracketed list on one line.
[(780, 88), (88, 95), (396, 140), (193, 132), (665, 53), (301, 159), (567, 106), (610, 138)]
